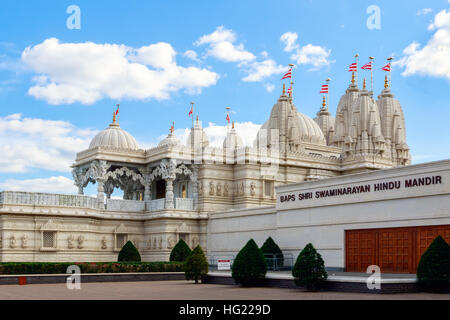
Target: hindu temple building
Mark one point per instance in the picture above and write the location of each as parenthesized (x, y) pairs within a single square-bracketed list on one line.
[(216, 197)]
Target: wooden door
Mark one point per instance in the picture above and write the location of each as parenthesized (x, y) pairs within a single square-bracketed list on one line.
[(396, 250)]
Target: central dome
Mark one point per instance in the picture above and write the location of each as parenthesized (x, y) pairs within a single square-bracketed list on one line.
[(292, 127), (114, 137)]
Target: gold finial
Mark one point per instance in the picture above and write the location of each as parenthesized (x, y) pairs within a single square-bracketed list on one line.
[(386, 81), (114, 117), (353, 77), (172, 127), (323, 102), (232, 125), (364, 83), (284, 89), (197, 118)]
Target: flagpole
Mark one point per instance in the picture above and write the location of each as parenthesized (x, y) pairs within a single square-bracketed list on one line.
[(328, 91), (371, 76), (192, 108), (292, 82), (228, 117), (389, 59), (356, 60)]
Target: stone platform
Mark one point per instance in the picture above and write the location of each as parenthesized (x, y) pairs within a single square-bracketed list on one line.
[(337, 281), (91, 277)]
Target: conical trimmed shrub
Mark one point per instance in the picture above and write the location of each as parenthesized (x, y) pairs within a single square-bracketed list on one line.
[(249, 267), (309, 269), (433, 271), (180, 252), (129, 253), (272, 253), (196, 265)]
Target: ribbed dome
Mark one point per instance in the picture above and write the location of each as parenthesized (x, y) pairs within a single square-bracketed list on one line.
[(170, 140), (310, 130), (114, 137)]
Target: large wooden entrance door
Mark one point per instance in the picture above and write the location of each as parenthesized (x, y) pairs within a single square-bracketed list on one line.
[(396, 250)]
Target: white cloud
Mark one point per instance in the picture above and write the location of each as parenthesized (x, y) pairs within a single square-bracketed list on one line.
[(57, 184), (191, 54), (433, 58), (217, 133), (258, 71), (87, 72), (290, 41), (309, 54), (316, 56), (221, 46), (424, 11), (269, 87), (37, 143)]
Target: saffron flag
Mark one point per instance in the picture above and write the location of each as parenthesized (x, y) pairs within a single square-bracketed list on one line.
[(353, 67), (228, 118), (117, 111), (367, 66), (324, 89), (387, 67), (287, 75)]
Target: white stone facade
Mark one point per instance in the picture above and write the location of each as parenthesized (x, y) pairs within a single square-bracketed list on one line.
[(417, 195), (170, 191)]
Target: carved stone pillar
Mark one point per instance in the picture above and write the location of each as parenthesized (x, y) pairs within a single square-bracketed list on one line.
[(147, 191), (78, 179), (98, 171), (169, 194), (101, 190), (194, 179)]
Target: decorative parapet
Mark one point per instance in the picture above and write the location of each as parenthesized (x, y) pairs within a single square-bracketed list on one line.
[(184, 203), (124, 205), (48, 199), (155, 205)]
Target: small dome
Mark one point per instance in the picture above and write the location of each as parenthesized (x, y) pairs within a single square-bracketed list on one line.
[(114, 137), (170, 140)]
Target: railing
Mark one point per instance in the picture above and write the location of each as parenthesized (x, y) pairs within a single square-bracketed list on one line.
[(155, 205), (184, 203), (48, 199), (277, 262), (213, 262), (124, 205)]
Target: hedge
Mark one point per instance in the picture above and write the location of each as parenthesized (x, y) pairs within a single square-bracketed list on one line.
[(129, 253), (89, 267), (433, 272), (249, 267), (196, 265), (180, 252)]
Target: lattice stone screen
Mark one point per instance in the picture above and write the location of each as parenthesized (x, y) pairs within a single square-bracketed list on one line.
[(48, 239)]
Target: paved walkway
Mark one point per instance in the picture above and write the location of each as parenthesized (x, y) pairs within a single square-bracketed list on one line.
[(181, 290)]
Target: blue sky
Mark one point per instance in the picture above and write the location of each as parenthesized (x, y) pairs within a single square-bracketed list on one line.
[(221, 53)]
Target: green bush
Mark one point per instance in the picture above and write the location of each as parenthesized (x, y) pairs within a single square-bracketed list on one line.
[(88, 267), (249, 267), (196, 265), (129, 253), (309, 269), (433, 272), (272, 253), (180, 252)]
